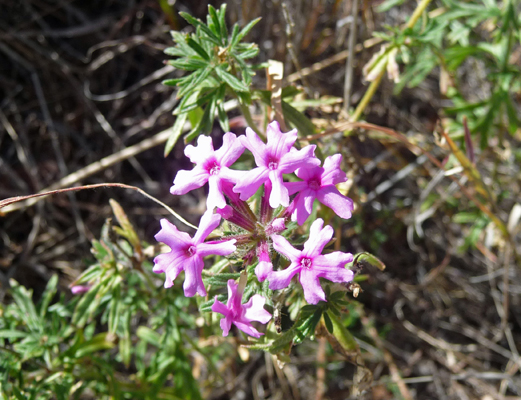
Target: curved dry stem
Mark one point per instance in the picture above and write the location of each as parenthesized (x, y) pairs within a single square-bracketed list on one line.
[(34, 198)]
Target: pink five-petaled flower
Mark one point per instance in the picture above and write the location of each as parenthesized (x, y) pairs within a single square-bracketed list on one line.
[(319, 183), (210, 166), (187, 253), (240, 314), (273, 159), (310, 264)]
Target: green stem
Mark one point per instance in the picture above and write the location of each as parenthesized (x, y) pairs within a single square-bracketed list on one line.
[(417, 13), (376, 83), (368, 96)]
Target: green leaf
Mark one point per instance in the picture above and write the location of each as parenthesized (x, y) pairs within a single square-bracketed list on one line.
[(127, 230), (298, 120), (177, 131), (235, 35), (18, 394), (329, 324), (223, 117), (177, 52), (307, 326), (215, 21), (150, 336), (170, 82), (81, 313), (231, 80), (222, 24), (344, 337), (125, 343), (115, 308), (200, 24), (198, 49), (249, 53), (194, 116), (513, 120), (245, 31), (388, 4), (197, 78), (197, 102), (102, 341), (188, 63), (48, 294), (23, 299), (12, 334), (455, 55)]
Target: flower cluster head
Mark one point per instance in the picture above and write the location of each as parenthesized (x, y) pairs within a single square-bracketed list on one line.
[(256, 236)]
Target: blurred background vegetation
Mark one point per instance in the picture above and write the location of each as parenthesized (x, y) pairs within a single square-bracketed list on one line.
[(426, 115)]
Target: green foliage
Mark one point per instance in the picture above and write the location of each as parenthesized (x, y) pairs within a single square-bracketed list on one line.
[(217, 62), (455, 34), (306, 322), (77, 346)]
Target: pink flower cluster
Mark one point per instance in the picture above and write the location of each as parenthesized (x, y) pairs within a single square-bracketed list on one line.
[(229, 190)]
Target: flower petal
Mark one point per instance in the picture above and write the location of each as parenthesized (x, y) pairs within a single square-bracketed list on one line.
[(303, 206), (313, 292), (166, 261), (281, 244), (263, 270), (204, 149), (248, 329), (171, 264), (281, 279), (294, 187), (289, 162), (172, 237), (254, 310), (230, 175), (193, 284), (279, 143), (234, 298), (209, 221), (258, 148), (224, 248), (215, 195), (230, 151), (332, 173), (186, 181), (318, 238), (279, 194), (250, 182), (220, 308), (332, 269), (331, 197), (226, 325), (310, 172)]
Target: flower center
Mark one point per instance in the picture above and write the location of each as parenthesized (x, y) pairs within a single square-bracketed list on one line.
[(306, 263), (314, 184), (213, 168), (191, 251), (273, 165)]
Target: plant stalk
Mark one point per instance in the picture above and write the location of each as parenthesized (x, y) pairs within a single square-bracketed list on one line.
[(374, 84)]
